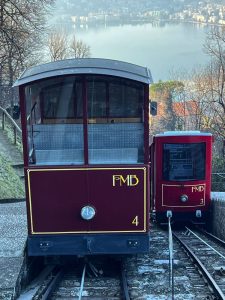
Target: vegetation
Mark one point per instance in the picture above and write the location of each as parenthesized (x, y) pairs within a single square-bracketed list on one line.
[(165, 93), (171, 87), (60, 46), (10, 184), (205, 88), (10, 135), (22, 26)]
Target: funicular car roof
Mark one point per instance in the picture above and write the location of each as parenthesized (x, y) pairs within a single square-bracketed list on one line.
[(90, 66)]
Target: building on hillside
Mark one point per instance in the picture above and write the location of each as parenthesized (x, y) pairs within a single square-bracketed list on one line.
[(184, 115)]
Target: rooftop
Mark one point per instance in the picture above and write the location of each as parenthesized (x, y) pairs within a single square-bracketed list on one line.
[(86, 66)]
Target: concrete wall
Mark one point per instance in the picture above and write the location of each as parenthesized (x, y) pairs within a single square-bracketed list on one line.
[(217, 218)]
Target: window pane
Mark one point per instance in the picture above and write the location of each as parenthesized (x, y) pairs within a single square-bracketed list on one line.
[(115, 127), (55, 121), (61, 99), (125, 99), (96, 94), (184, 161)]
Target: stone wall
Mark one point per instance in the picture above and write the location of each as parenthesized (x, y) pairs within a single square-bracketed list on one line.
[(217, 219)]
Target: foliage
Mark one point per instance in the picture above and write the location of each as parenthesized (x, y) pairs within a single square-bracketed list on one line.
[(10, 184), (10, 135), (165, 93), (170, 86)]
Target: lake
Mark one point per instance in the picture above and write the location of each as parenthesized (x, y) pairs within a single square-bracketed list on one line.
[(168, 49)]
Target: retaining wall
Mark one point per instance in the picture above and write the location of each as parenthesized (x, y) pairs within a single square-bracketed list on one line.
[(217, 219)]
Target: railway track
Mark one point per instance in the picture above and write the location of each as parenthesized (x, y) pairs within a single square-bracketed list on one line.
[(208, 254), (136, 277), (148, 275), (82, 280)]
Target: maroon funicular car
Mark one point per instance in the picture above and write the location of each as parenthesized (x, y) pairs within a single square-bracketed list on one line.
[(86, 156), (181, 182)]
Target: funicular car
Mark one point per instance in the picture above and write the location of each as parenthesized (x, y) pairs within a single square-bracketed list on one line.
[(181, 180), (86, 156)]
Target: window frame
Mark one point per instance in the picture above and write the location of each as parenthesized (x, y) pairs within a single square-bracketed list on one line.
[(84, 120), (166, 177)]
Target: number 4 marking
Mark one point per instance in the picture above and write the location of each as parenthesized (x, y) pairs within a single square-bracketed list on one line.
[(135, 221)]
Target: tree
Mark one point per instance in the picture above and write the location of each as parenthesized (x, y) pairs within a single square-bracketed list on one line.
[(61, 46), (58, 45), (215, 78), (165, 93), (21, 29), (78, 49), (196, 91)]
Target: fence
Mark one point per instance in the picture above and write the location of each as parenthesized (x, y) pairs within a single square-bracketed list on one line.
[(7, 121)]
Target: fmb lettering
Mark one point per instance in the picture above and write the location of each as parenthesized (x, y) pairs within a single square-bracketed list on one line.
[(199, 188), (129, 180)]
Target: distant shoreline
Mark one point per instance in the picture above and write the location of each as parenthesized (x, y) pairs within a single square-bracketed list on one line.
[(100, 23)]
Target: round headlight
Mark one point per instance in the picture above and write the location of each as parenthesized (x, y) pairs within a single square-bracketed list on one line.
[(87, 212), (183, 198)]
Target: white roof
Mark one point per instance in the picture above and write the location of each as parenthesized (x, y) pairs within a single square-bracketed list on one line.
[(96, 66), (184, 133)]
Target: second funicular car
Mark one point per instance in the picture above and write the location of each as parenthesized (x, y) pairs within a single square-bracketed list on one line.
[(181, 181)]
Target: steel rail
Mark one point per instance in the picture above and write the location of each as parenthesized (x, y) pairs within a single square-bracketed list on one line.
[(207, 275), (124, 283), (211, 236), (204, 242), (52, 285), (36, 283), (34, 290)]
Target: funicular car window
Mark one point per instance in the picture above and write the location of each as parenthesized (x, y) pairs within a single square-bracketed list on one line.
[(126, 99), (115, 130), (62, 99), (55, 121), (184, 161), (96, 94)]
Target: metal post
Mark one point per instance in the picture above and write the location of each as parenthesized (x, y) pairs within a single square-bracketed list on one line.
[(171, 277), (82, 283), (3, 121), (16, 129), (15, 135)]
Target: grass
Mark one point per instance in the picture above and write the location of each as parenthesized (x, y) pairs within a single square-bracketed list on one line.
[(10, 135), (11, 186)]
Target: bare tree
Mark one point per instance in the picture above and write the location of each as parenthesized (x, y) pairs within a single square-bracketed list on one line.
[(78, 49), (62, 46), (215, 78), (196, 91), (21, 28), (58, 45)]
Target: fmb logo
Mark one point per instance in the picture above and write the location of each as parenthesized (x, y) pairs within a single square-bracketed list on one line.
[(129, 180), (198, 188)]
